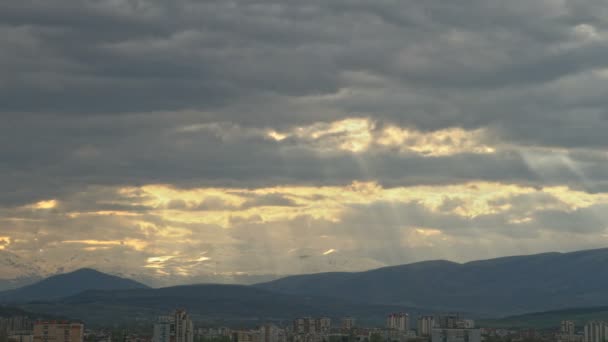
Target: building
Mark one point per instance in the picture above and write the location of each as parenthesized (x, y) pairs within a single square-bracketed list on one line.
[(303, 325), (271, 333), (425, 325), (348, 324), (323, 325), (16, 325), (596, 331), (454, 321), (567, 328), (58, 331), (21, 338), (184, 330), (309, 325), (398, 321), (569, 338), (164, 330), (245, 336), (456, 335), (567, 332), (453, 328), (176, 328)]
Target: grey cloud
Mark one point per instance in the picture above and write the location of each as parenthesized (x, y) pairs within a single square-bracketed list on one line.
[(78, 153), (273, 200), (167, 58), (475, 64)]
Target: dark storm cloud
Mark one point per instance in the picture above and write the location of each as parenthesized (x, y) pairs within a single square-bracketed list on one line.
[(117, 56)]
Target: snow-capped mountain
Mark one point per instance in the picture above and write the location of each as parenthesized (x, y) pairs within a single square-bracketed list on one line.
[(16, 272)]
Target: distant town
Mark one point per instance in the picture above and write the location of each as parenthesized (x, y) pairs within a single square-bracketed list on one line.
[(178, 326)]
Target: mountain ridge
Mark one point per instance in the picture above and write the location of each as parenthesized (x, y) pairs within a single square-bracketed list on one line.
[(206, 303), (494, 287), (66, 284), (549, 319), (500, 286)]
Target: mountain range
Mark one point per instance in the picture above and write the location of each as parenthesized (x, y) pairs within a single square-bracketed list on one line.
[(206, 303), (488, 288), (68, 284), (549, 319), (503, 286), (102, 299)]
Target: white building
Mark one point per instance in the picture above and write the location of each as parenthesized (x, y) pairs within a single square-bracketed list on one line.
[(176, 328), (568, 328), (398, 321), (425, 325), (271, 333), (348, 324), (596, 331), (309, 325), (184, 330), (323, 325), (163, 329)]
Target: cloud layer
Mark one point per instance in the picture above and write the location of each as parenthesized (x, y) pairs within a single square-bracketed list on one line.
[(221, 140)]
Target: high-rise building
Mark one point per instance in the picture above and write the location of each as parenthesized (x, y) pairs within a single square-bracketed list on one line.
[(567, 332), (164, 330), (304, 325), (308, 325), (184, 331), (348, 324), (175, 328), (323, 325), (453, 328), (398, 321), (271, 333), (596, 331), (425, 325), (58, 331), (568, 328)]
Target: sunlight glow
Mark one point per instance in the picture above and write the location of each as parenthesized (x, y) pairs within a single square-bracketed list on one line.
[(4, 242), (329, 251), (49, 204), (138, 245)]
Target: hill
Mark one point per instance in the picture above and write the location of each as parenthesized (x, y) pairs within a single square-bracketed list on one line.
[(68, 284), (10, 311), (212, 303), (550, 319), (503, 286)]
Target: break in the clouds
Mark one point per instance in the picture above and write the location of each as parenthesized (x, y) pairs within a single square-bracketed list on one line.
[(239, 140)]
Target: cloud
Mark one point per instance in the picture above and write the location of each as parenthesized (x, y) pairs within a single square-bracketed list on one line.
[(283, 230), (385, 131)]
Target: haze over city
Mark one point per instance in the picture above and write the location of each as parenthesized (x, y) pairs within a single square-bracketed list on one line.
[(179, 142)]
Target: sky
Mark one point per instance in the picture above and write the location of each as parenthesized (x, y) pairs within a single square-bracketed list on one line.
[(232, 141)]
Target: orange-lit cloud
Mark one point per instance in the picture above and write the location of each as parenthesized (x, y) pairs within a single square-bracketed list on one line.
[(359, 135), (48, 204), (474, 199), (444, 142), (138, 245), (303, 224), (4, 242), (329, 251)]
